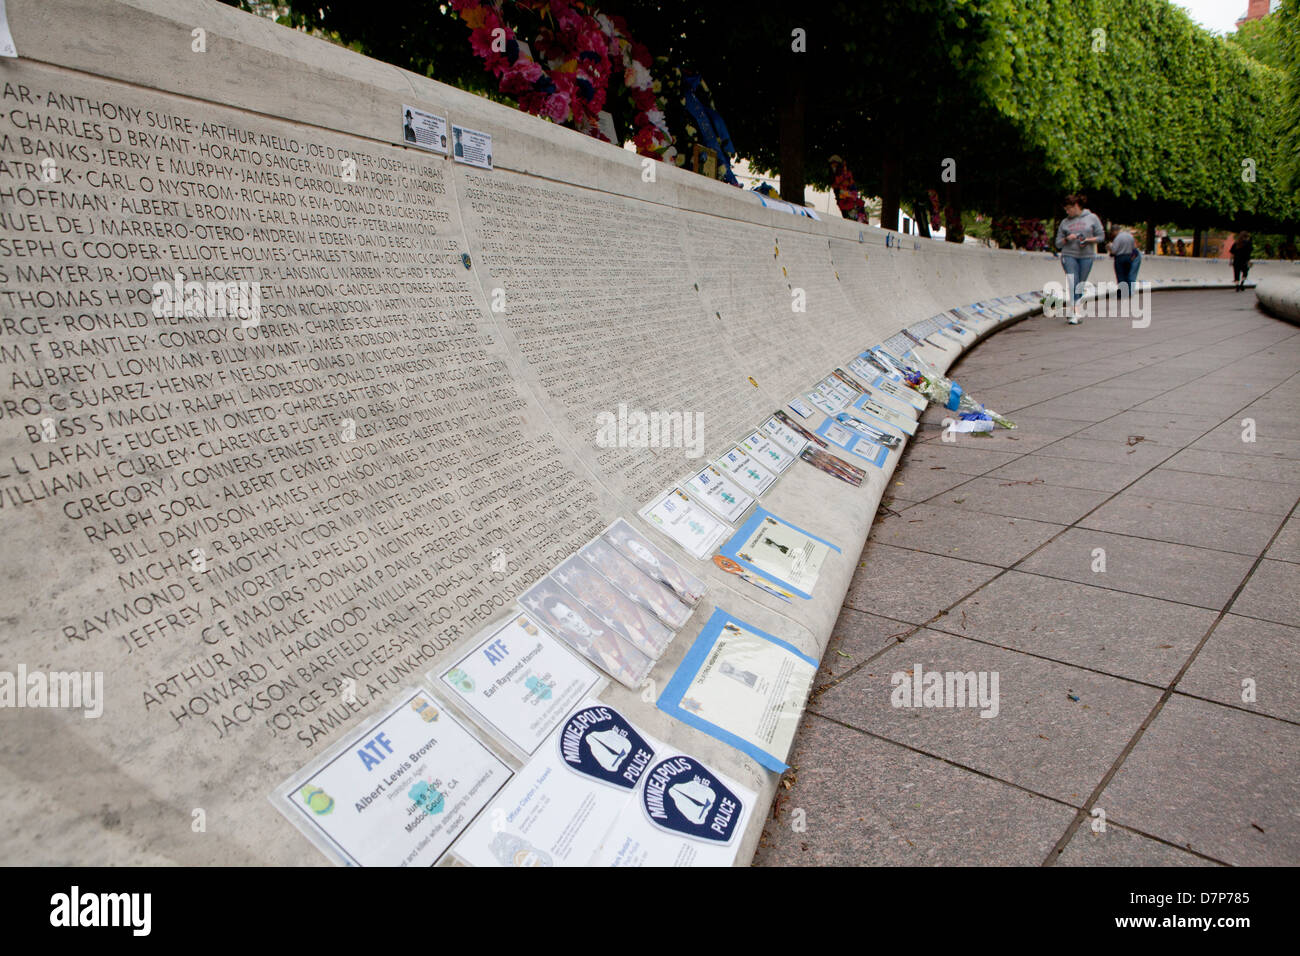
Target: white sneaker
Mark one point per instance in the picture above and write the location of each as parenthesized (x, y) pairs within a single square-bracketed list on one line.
[(1072, 320)]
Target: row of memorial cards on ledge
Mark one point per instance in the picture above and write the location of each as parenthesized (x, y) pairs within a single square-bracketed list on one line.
[(418, 786), (699, 513), (618, 602)]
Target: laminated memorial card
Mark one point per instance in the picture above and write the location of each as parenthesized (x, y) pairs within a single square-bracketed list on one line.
[(687, 523), (743, 686), (874, 429), (563, 802), (800, 407), (561, 613), (424, 130), (899, 392), (887, 362), (833, 466), (640, 587), (789, 423), (684, 814), (779, 552), (396, 792), (765, 449), (518, 682), (745, 471), (827, 403), (643, 629), (654, 563), (602, 792), (719, 494), (471, 147), (889, 416), (853, 442)]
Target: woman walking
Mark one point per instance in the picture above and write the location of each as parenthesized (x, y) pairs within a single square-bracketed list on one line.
[(1077, 237), (1242, 247)]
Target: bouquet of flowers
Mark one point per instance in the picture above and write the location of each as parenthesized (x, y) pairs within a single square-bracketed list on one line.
[(939, 389)]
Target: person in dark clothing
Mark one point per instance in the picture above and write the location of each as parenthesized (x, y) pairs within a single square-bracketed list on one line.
[(1123, 248), (1242, 246)]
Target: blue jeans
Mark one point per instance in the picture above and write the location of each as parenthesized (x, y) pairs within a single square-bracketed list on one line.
[(1126, 270), (1077, 268)]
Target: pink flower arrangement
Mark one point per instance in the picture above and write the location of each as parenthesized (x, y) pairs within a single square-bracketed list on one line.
[(579, 54)]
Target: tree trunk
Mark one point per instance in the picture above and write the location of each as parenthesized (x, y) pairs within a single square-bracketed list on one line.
[(891, 181), (1196, 243), (792, 132), (921, 213), (1150, 244), (954, 228)]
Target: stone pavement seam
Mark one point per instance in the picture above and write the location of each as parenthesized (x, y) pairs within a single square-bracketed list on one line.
[(1086, 810)]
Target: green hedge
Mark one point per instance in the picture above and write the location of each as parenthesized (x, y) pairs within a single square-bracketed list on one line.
[(1152, 109)]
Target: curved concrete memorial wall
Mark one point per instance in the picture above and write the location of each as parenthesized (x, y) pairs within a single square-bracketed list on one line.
[(261, 533), (1279, 295)]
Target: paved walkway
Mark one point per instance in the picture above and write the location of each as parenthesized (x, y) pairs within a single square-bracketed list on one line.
[(1120, 691)]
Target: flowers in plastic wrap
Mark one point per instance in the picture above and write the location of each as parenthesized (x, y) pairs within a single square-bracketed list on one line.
[(939, 390)]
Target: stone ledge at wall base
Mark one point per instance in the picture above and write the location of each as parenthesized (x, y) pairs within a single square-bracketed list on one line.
[(674, 294), (1279, 296)]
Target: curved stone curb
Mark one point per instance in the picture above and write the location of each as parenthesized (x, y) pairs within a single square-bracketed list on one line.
[(1280, 296)]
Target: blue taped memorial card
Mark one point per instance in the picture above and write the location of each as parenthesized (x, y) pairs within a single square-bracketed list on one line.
[(853, 441), (779, 552), (742, 686)]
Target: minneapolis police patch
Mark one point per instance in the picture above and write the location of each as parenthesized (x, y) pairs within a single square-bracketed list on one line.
[(683, 796), (599, 743)]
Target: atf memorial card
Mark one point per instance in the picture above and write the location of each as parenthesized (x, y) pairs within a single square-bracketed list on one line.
[(518, 682), (901, 393), (689, 524), (786, 437), (396, 792), (654, 563), (471, 147), (766, 450), (603, 792), (743, 686), (719, 493), (745, 471), (779, 552), (799, 407)]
